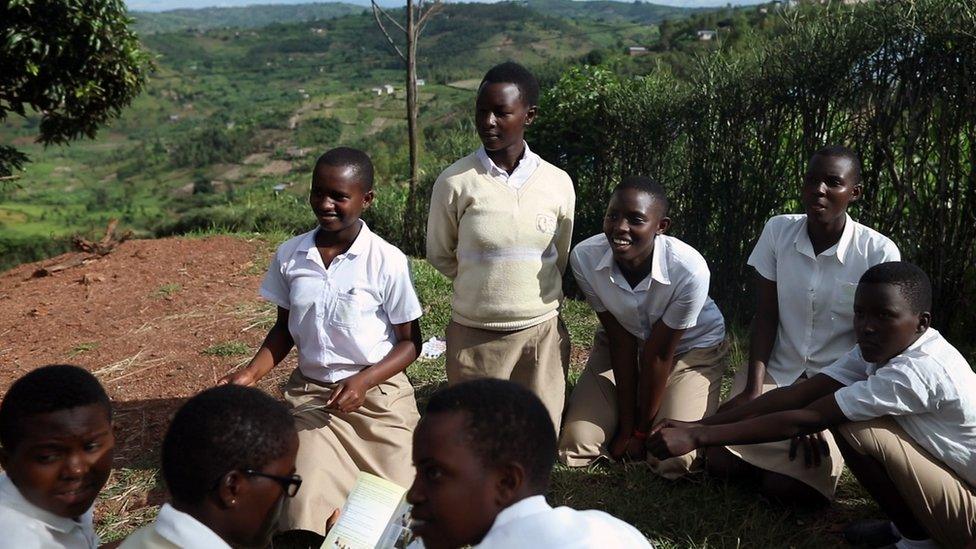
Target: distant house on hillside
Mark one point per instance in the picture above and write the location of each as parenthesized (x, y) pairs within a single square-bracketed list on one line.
[(706, 35), (319, 32), (421, 82), (388, 89), (635, 51)]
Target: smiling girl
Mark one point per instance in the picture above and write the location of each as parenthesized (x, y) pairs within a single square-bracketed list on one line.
[(661, 350)]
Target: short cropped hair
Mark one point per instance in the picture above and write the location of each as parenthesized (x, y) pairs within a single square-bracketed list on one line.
[(220, 430), (840, 151), (648, 185), (354, 158), (912, 282), (47, 389), (506, 423), (513, 73)]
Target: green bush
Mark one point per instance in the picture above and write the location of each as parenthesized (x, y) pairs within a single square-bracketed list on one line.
[(891, 80)]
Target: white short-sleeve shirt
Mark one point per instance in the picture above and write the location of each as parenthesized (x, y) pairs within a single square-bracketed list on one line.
[(929, 389), (522, 172), (815, 292), (26, 526), (532, 524), (341, 317), (676, 291), (179, 529)]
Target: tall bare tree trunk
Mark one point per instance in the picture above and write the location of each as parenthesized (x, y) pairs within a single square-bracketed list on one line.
[(412, 129), (417, 17)]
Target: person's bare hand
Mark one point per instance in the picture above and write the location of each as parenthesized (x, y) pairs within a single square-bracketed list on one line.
[(332, 520), (349, 394), (814, 449), (244, 377), (618, 446), (669, 441)]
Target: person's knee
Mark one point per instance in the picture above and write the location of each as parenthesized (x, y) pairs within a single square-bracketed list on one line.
[(785, 490)]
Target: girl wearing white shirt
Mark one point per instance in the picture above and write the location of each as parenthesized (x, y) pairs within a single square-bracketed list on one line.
[(807, 267), (661, 351)]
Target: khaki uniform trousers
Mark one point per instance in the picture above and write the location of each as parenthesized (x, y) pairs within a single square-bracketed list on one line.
[(693, 392), (775, 456), (334, 446), (536, 357), (940, 500)]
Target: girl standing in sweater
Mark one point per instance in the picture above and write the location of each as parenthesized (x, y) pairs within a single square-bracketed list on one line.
[(500, 226)]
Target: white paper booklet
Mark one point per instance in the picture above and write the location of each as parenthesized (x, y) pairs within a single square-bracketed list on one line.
[(376, 516)]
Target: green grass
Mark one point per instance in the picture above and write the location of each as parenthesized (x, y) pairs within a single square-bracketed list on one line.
[(167, 290), (695, 512), (82, 348), (228, 348)]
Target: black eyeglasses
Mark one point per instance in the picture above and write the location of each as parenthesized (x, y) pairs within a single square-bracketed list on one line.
[(289, 484)]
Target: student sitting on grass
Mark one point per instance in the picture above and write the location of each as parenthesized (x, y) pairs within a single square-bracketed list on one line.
[(56, 448), (500, 226), (229, 463), (346, 301), (484, 451), (662, 350), (807, 267), (902, 405)]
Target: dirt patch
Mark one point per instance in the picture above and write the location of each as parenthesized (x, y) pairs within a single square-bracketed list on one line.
[(141, 319), (257, 158), (276, 167)]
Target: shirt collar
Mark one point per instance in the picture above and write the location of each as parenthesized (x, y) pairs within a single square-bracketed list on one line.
[(529, 506), (12, 498), (659, 265), (805, 247), (528, 158), (184, 531), (359, 246)]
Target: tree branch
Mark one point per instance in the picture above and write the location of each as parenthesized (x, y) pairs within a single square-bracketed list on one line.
[(435, 7), (376, 15)]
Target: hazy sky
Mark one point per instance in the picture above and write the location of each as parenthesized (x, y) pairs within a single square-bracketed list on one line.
[(160, 5)]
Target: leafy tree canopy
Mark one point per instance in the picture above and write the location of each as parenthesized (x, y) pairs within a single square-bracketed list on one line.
[(74, 62)]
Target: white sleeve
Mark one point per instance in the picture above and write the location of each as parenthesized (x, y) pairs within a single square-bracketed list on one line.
[(274, 288), (682, 312), (890, 252), (580, 273), (399, 297), (848, 369), (894, 390), (763, 256)]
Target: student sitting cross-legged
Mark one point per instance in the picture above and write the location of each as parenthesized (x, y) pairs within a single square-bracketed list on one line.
[(661, 351), (56, 447), (229, 462), (901, 404), (484, 451), (346, 301), (807, 266)]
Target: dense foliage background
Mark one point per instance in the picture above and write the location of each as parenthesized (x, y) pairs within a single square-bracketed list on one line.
[(892, 80)]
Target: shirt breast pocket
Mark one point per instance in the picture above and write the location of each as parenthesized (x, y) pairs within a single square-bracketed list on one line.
[(352, 306), (842, 306)]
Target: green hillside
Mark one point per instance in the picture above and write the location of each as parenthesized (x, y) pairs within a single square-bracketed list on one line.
[(243, 17), (230, 113), (607, 11)]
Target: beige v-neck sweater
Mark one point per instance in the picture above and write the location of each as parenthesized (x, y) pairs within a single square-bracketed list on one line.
[(505, 249)]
